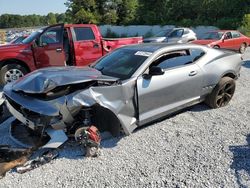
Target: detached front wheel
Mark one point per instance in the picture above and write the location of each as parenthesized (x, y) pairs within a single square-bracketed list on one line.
[(222, 93), (11, 72)]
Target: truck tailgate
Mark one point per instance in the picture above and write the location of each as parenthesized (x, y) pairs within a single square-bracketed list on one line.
[(110, 44)]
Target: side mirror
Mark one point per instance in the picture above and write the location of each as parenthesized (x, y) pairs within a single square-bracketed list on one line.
[(154, 71), (44, 44)]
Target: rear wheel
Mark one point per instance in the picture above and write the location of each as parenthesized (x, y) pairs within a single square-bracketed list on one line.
[(222, 93), (11, 72), (243, 47), (216, 47)]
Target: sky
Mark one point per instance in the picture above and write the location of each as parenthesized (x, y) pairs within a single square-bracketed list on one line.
[(25, 7)]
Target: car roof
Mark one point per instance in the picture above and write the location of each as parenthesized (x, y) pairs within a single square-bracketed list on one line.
[(152, 47)]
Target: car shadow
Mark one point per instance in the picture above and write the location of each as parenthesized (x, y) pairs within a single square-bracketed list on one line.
[(196, 108), (241, 163), (246, 64)]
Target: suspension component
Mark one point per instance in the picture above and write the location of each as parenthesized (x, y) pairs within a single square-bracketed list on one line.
[(90, 138)]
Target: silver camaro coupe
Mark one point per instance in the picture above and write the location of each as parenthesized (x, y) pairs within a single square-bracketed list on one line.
[(125, 89)]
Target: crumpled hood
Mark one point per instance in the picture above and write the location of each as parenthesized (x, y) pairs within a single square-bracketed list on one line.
[(154, 39), (44, 80)]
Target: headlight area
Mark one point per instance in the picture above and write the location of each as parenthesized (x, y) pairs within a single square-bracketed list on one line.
[(33, 120)]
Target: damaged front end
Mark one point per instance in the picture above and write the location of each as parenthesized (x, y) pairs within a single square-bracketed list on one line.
[(56, 102)]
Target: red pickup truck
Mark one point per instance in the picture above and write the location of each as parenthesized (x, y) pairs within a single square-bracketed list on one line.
[(57, 45)]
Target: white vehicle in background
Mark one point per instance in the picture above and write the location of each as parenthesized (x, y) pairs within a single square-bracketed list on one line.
[(175, 35)]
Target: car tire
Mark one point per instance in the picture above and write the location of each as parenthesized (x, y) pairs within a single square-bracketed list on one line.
[(222, 93), (216, 47), (242, 48), (11, 72)]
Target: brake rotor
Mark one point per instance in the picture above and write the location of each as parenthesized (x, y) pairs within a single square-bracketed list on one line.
[(90, 138)]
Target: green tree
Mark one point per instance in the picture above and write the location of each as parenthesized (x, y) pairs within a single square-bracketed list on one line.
[(152, 12), (51, 19), (61, 18), (245, 27), (82, 11), (126, 11), (108, 10)]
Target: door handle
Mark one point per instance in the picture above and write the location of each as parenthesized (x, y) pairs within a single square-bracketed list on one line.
[(96, 45), (192, 73), (59, 50)]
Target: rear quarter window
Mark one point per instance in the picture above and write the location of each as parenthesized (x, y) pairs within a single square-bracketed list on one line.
[(84, 33), (235, 34), (196, 54)]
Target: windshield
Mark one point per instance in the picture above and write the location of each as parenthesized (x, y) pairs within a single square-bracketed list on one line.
[(32, 36), (17, 40), (212, 36), (121, 63), (163, 33)]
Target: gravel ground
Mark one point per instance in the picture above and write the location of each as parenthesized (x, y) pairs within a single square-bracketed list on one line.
[(199, 147)]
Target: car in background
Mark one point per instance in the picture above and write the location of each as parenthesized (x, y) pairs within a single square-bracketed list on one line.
[(18, 40), (127, 88), (175, 35), (227, 39), (57, 45)]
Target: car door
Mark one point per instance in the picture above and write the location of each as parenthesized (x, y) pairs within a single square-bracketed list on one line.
[(175, 35), (87, 46), (228, 42), (49, 49), (180, 85), (238, 40)]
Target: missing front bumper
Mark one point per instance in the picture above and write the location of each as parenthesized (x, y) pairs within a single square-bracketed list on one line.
[(19, 116)]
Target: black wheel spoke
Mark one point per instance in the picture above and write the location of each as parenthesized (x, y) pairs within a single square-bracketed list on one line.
[(228, 96), (229, 88), (219, 97), (219, 102)]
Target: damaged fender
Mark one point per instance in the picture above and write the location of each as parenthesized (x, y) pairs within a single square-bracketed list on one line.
[(120, 99)]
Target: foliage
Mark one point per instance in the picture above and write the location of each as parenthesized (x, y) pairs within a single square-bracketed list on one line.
[(83, 11), (16, 21), (51, 19), (221, 13), (245, 28)]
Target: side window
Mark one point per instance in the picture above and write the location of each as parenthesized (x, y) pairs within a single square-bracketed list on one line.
[(228, 35), (196, 54), (174, 59), (52, 36), (176, 33), (235, 34), (186, 32), (84, 33)]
